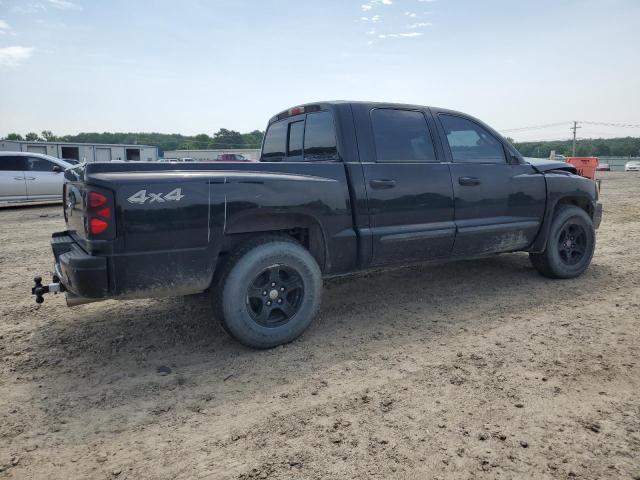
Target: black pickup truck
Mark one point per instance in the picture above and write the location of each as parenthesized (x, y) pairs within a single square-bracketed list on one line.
[(340, 187)]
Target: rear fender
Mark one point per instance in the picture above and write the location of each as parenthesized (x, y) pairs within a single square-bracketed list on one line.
[(252, 222)]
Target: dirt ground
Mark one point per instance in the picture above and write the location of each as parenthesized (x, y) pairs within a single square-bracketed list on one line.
[(477, 369)]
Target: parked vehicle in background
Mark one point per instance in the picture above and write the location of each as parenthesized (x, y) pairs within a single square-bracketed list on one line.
[(603, 167), (632, 166), (71, 161), (340, 187), (232, 157), (31, 177)]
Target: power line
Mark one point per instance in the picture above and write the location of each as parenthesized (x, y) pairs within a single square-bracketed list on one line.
[(536, 127), (612, 124), (558, 124)]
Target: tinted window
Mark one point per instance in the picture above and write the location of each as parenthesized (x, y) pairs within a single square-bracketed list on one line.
[(274, 142), (471, 143), (320, 137), (39, 165), (15, 164), (402, 136), (296, 130)]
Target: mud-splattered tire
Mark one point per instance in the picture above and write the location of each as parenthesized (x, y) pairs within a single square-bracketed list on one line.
[(268, 291), (570, 245)]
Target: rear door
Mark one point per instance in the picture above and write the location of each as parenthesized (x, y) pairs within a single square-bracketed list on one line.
[(499, 202), (409, 192), (12, 182)]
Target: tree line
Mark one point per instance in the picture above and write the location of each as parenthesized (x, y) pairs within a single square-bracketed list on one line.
[(225, 139), (587, 147)]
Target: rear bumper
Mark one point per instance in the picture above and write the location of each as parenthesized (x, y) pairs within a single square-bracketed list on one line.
[(82, 274), (597, 215)]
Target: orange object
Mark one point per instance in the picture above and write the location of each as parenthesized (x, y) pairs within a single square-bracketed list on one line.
[(586, 166)]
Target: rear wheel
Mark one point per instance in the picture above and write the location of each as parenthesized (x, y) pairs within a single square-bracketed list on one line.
[(268, 292), (570, 245)]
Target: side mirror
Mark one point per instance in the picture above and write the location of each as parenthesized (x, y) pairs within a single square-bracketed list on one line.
[(56, 169)]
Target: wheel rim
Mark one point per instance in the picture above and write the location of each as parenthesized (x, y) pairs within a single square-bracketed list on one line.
[(572, 243), (275, 296)]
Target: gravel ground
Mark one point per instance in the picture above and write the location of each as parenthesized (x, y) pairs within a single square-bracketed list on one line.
[(476, 369)]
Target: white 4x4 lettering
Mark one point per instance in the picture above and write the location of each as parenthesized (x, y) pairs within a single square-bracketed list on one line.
[(141, 196)]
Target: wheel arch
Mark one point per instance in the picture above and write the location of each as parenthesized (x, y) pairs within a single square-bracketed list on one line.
[(304, 228), (578, 199)]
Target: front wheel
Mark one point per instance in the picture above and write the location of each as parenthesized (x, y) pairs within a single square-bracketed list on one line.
[(268, 292), (570, 245)]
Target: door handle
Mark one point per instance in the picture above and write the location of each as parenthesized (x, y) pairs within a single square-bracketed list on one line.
[(380, 183), (29, 178), (468, 181), (18, 178)]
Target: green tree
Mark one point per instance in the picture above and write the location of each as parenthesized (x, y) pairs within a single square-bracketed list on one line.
[(202, 141), (49, 136), (224, 138), (32, 137), (14, 136)]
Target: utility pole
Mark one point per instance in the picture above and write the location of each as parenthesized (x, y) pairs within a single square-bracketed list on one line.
[(574, 128)]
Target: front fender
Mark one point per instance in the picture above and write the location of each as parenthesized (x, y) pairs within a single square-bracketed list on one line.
[(566, 188)]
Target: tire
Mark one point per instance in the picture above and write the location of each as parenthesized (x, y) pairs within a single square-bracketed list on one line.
[(570, 245), (253, 310)]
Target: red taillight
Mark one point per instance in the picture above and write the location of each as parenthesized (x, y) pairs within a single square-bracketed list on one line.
[(97, 200), (97, 226), (105, 212)]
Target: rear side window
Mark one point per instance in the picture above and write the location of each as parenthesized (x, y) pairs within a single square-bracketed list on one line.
[(471, 143), (12, 163), (320, 137), (401, 136), (275, 142), (39, 165), (310, 138)]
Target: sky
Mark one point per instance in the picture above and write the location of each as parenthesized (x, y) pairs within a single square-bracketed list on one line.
[(195, 66)]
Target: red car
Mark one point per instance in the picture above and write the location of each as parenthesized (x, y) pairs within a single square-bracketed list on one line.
[(232, 157)]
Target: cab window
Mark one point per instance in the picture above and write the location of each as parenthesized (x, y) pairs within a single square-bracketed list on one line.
[(273, 149), (11, 163), (401, 136), (39, 165), (471, 143)]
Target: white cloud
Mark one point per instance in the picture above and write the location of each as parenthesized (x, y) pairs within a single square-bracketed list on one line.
[(374, 19), (420, 25), (29, 8), (426, 1), (401, 35), (366, 7), (387, 2), (410, 14), (4, 27), (14, 56), (64, 5)]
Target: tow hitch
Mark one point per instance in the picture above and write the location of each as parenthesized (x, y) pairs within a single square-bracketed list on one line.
[(39, 289)]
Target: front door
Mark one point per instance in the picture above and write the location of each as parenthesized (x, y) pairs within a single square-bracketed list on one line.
[(409, 192), (42, 181), (499, 202)]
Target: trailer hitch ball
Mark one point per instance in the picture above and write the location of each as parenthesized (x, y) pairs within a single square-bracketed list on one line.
[(39, 290)]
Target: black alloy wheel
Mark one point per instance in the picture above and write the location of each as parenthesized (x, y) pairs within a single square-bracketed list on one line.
[(572, 243), (275, 296)]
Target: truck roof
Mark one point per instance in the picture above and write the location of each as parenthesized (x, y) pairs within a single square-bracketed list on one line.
[(328, 104)]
